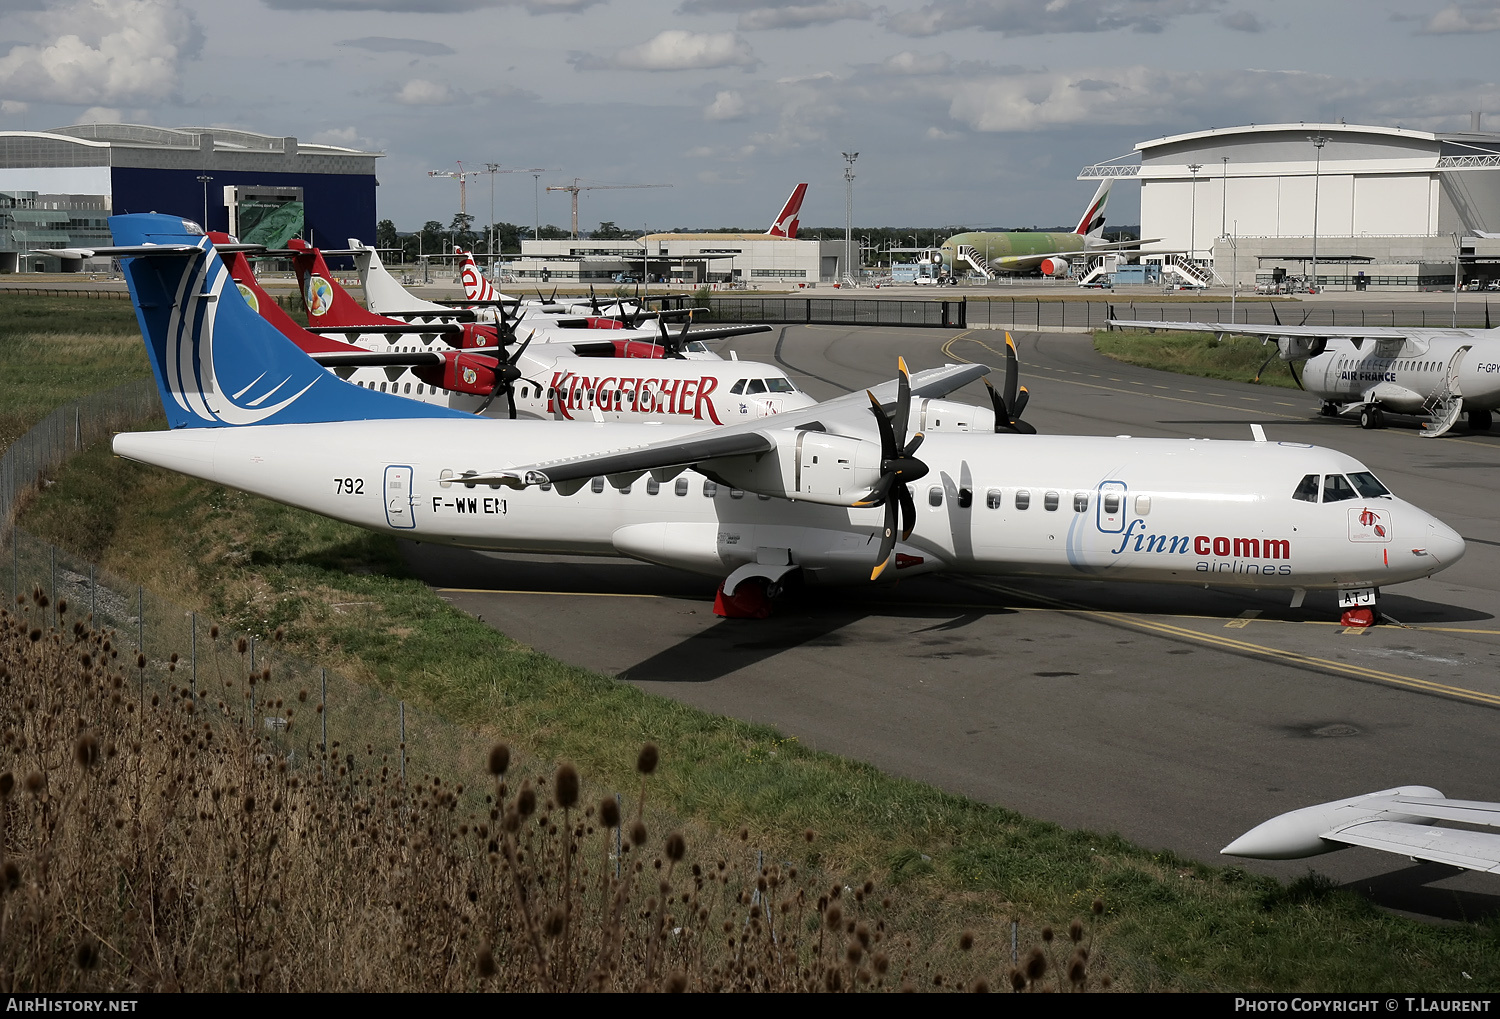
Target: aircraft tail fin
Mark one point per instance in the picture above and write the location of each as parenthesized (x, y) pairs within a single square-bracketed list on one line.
[(786, 221), (328, 303), (1092, 223), (383, 294), (217, 363), (476, 287)]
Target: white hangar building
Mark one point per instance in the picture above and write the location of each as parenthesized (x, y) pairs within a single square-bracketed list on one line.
[(682, 258), (1384, 202)]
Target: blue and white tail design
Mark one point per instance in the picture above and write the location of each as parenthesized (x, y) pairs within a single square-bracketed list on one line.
[(217, 362)]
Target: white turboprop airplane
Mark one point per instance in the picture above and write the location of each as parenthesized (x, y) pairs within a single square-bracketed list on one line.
[(1396, 820), (1374, 370), (813, 493)]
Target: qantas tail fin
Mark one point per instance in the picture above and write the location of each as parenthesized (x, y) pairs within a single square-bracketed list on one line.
[(476, 287), (1092, 223), (383, 294), (217, 363), (328, 304), (785, 223)]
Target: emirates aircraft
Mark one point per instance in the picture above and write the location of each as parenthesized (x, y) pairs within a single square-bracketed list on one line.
[(1369, 371), (838, 493)]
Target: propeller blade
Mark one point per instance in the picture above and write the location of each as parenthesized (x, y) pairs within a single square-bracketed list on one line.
[(914, 445), (1305, 315), (887, 540), (510, 397), (997, 402), (1274, 314), (908, 512), (1487, 314), (1274, 355), (903, 403), (1022, 399), (1012, 373), (888, 447), (593, 299), (1291, 366)]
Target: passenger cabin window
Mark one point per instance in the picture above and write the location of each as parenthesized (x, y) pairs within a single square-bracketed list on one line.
[(994, 498), (597, 484), (965, 498), (1336, 488), (735, 493), (681, 488), (1023, 498), (1307, 489), (1080, 502), (738, 388), (1142, 505), (710, 489), (1050, 500), (755, 386), (652, 486), (1367, 485), (934, 496)]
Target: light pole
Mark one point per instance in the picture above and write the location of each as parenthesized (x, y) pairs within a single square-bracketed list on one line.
[(849, 158), (1193, 169), (1224, 196), (204, 179), (1234, 269), (536, 199), (1457, 253), (1318, 140)]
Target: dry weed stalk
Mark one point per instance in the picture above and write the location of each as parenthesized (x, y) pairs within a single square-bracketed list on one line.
[(153, 838)]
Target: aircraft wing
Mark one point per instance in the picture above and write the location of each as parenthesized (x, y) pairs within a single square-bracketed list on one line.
[(1471, 850), (1269, 332), (850, 411), (390, 328), (376, 359), (135, 251)]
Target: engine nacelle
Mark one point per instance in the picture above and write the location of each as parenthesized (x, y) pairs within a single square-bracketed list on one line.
[(1297, 348), (1054, 267), (951, 416), (473, 374), (473, 335), (808, 466)]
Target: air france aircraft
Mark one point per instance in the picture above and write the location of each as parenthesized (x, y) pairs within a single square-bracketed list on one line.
[(1396, 820), (1375, 370), (814, 494)]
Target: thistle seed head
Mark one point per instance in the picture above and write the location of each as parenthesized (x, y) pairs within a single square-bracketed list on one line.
[(499, 759), (609, 812), (566, 786), (646, 762)]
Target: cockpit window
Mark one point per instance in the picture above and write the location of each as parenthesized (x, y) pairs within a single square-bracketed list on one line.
[(1336, 488), (755, 386), (695, 347), (738, 388), (1307, 489), (780, 386), (1368, 485)]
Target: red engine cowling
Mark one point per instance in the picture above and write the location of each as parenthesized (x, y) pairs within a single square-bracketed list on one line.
[(638, 348), (462, 373), (1054, 267), (479, 336), (604, 323)]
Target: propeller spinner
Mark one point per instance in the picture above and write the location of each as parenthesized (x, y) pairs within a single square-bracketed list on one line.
[(899, 467)]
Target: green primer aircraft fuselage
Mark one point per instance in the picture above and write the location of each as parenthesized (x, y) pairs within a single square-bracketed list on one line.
[(1011, 251)]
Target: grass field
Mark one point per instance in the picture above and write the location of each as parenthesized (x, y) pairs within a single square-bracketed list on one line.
[(1237, 359), (1169, 923)]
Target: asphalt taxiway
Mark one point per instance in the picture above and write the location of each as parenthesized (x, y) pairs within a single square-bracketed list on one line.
[(1177, 716)]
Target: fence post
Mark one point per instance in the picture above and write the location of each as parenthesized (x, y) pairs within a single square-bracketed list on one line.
[(324, 704)]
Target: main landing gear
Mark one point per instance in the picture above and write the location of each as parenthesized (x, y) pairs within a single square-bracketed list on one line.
[(1360, 607), (1328, 409), (1371, 416), (1479, 420)]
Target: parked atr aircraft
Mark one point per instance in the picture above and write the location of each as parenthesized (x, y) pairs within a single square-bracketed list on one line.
[(542, 381), (1396, 821), (1441, 373), (1027, 251), (814, 493)]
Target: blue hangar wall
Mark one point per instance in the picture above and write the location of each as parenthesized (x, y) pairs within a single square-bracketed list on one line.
[(338, 205)]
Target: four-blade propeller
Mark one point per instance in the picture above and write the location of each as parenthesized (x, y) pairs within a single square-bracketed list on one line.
[(1010, 405), (507, 374), (899, 467)]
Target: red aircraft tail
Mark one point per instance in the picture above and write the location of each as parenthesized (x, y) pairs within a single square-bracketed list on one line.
[(328, 304), (785, 224), (267, 306)]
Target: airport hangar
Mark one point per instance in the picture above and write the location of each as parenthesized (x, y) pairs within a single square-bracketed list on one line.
[(1239, 202), (685, 259), (58, 187)]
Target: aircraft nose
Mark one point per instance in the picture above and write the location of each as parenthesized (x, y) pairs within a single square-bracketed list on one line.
[(1444, 543)]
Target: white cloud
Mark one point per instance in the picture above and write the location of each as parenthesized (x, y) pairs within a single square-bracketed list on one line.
[(421, 92), (727, 105), (345, 136), (13, 106), (99, 115), (802, 15), (120, 50), (676, 50), (937, 134), (1035, 17), (907, 62), (1465, 17)]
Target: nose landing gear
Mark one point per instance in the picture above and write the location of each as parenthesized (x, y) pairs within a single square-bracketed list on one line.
[(1360, 607)]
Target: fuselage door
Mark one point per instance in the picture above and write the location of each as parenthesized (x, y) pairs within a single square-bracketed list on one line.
[(398, 497), (1112, 507)]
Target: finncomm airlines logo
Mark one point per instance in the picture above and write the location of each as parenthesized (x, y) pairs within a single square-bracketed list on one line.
[(1244, 555)]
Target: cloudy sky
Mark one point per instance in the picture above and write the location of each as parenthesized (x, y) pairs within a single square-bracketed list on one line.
[(963, 111)]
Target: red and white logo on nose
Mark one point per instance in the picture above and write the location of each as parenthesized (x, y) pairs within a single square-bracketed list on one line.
[(1366, 524)]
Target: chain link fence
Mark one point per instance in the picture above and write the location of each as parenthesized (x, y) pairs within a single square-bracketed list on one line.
[(298, 708)]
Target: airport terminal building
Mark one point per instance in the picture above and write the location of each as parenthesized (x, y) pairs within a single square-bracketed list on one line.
[(1383, 207), (681, 259), (58, 187)]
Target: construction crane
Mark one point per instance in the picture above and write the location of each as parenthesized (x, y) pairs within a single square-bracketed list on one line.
[(576, 187), (463, 188)]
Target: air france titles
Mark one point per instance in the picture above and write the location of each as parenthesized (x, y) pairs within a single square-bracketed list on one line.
[(1270, 553), (684, 397)]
